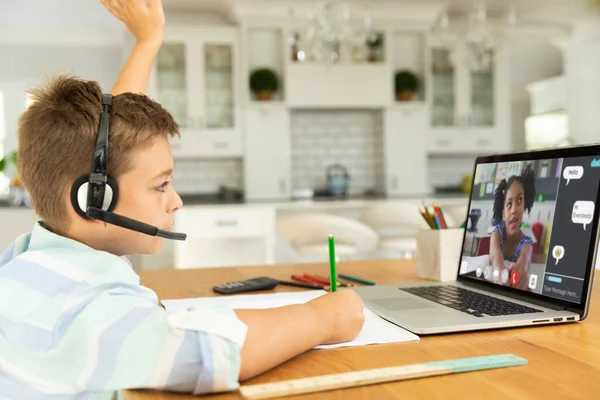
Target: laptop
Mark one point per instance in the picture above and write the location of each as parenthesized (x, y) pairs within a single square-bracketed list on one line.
[(528, 251)]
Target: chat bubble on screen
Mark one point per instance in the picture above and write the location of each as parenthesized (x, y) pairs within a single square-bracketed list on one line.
[(558, 252), (583, 212), (575, 172)]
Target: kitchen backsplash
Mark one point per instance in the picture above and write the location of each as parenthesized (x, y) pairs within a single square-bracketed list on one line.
[(205, 176), (352, 138)]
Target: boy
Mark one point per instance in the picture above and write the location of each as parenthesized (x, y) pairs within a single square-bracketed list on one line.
[(74, 320)]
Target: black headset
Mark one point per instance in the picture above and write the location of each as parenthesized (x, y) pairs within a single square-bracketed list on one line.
[(95, 196)]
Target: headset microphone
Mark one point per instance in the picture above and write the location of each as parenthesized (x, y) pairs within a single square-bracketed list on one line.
[(132, 224), (95, 196)]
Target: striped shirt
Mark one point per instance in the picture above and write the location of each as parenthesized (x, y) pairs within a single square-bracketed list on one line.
[(525, 239), (75, 323)]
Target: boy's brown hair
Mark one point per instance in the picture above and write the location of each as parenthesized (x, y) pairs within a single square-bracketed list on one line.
[(57, 135)]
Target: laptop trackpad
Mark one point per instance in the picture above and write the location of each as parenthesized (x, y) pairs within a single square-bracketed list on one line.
[(395, 303)]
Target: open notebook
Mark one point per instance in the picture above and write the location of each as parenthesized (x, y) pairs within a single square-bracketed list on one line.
[(375, 329)]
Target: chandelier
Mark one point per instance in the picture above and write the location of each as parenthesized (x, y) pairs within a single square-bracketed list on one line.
[(331, 31), (476, 41)]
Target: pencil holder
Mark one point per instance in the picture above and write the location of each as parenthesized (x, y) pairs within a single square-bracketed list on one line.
[(438, 253)]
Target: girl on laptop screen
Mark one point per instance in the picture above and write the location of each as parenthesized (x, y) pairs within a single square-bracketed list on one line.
[(508, 241)]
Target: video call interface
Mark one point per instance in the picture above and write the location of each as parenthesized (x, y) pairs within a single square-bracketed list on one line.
[(529, 225)]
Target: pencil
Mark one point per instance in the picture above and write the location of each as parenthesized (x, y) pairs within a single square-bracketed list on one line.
[(323, 281), (339, 282), (438, 224), (425, 217), (354, 279), (429, 216), (438, 211), (300, 278), (302, 285), (332, 268)]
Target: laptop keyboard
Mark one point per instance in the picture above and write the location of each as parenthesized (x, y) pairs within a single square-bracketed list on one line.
[(470, 302)]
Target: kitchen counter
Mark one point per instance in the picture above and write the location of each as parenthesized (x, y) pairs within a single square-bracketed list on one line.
[(291, 204), (325, 201)]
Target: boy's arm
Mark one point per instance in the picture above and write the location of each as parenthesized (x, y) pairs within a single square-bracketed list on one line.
[(278, 334), (145, 21)]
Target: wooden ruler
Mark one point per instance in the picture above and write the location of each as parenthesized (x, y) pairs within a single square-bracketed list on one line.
[(379, 375)]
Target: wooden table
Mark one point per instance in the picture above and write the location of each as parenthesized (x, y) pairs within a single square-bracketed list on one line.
[(564, 360)]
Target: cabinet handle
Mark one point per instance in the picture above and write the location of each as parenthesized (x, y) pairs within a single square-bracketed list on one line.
[(221, 145), (483, 142), (394, 182), (443, 142), (226, 222)]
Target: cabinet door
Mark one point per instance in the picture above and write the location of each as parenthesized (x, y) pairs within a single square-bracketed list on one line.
[(406, 150), (482, 87), (267, 158), (221, 132), (443, 89), (219, 94), (172, 82)]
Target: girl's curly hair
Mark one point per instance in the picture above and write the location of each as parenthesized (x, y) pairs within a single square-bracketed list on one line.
[(527, 180)]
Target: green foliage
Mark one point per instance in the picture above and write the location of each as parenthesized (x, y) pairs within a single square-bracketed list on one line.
[(375, 41), (5, 161), (406, 80), (263, 79)]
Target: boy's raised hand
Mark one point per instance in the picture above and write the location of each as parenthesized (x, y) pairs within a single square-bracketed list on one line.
[(145, 19)]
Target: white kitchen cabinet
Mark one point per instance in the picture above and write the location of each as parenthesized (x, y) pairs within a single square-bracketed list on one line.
[(195, 78), (406, 150), (267, 160), (225, 235), (470, 110)]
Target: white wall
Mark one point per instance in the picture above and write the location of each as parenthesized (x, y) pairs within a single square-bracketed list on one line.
[(582, 66), (532, 59), (26, 65)]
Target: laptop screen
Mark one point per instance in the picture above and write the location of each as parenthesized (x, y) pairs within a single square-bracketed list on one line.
[(530, 225)]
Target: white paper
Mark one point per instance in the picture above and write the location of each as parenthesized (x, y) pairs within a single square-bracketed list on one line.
[(375, 329)]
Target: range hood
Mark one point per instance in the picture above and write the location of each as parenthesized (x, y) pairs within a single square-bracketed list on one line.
[(548, 125), (339, 85)]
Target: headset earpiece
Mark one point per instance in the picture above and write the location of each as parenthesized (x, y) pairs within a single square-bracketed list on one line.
[(79, 192)]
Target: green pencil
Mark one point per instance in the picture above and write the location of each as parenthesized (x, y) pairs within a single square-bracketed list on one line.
[(332, 269)]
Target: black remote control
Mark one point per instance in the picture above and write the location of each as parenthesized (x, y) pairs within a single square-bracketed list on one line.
[(249, 285)]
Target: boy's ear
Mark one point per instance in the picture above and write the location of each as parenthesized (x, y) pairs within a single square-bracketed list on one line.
[(79, 193)]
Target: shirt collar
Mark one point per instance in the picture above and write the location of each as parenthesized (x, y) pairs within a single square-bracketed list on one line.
[(41, 238)]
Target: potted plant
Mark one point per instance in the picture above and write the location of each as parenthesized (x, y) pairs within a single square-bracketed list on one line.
[(263, 83), (407, 83), (374, 44), (5, 161)]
